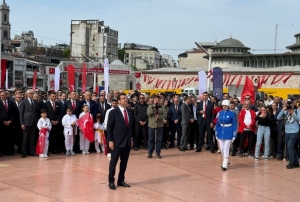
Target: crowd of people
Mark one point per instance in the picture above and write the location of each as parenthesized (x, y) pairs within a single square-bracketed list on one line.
[(268, 127)]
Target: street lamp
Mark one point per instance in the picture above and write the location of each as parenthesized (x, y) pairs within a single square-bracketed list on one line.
[(209, 64)]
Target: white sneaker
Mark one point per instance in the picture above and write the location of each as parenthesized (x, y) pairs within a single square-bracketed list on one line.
[(68, 153), (98, 152), (109, 155), (45, 155), (87, 152), (83, 152), (42, 155), (73, 153)]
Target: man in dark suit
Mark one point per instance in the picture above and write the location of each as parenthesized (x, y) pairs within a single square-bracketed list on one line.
[(17, 130), (119, 136), (6, 124), (92, 104), (187, 119), (28, 120), (102, 107), (54, 114), (62, 104), (194, 132), (205, 121), (175, 119)]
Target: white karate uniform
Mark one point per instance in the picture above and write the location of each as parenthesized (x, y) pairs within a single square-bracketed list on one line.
[(97, 135), (45, 123), (68, 131), (84, 143)]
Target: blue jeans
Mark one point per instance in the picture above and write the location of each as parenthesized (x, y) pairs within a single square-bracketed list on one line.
[(290, 139), (263, 132), (151, 140)]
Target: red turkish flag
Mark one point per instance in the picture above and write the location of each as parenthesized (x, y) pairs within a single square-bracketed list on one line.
[(86, 125), (3, 73), (41, 141), (34, 80), (71, 75), (104, 144), (248, 90), (83, 78)]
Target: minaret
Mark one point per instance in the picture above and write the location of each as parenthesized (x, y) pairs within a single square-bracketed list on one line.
[(5, 23)]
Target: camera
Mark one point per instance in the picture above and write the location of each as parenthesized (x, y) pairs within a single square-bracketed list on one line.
[(156, 106), (289, 105)]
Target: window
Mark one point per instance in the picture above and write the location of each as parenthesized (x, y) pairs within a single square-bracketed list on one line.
[(18, 75), (39, 82), (5, 33), (4, 17), (131, 85)]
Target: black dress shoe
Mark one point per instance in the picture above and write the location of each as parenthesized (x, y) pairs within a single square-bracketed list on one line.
[(149, 156), (158, 156), (23, 156), (198, 150), (112, 186), (207, 148), (32, 154), (212, 151), (224, 169), (181, 149), (123, 184)]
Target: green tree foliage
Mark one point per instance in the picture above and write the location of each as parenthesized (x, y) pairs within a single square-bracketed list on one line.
[(121, 54), (67, 53)]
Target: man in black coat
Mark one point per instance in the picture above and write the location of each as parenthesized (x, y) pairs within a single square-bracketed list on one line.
[(175, 122), (54, 114), (6, 125), (205, 120), (92, 104), (102, 107), (119, 136), (17, 130), (28, 119)]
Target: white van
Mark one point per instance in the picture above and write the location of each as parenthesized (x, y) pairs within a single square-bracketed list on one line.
[(191, 90)]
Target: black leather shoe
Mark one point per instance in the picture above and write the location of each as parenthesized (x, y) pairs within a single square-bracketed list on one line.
[(198, 150), (181, 149), (23, 156), (212, 151), (224, 169), (149, 156), (158, 156), (123, 184), (112, 186), (32, 154), (207, 148)]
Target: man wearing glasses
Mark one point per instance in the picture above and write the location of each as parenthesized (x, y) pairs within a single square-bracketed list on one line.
[(141, 122), (247, 98), (246, 127)]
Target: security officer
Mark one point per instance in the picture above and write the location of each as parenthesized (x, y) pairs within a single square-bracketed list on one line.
[(226, 128)]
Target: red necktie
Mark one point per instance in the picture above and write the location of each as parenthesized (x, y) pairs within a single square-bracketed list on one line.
[(73, 106), (5, 105), (126, 117), (204, 109), (53, 106)]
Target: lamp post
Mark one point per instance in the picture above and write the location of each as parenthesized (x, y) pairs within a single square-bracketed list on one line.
[(209, 65)]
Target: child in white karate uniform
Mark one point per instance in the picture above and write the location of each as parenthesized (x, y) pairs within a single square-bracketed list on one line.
[(99, 131), (44, 122), (70, 130), (84, 142)]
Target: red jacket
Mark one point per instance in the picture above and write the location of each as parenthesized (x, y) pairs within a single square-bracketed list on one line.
[(242, 125)]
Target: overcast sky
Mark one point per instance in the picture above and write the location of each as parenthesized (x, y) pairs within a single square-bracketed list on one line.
[(170, 25)]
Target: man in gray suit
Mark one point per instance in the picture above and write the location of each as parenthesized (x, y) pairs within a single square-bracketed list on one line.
[(187, 119), (28, 120)]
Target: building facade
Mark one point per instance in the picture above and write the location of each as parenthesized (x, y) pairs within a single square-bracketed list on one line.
[(94, 40), (6, 26), (142, 56)]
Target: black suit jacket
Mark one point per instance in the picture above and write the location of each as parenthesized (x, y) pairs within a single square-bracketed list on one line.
[(16, 120), (51, 114), (6, 115), (100, 111), (173, 115), (77, 111), (117, 130), (63, 108), (208, 113)]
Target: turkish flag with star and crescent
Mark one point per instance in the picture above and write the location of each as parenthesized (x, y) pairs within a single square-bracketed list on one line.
[(86, 125), (71, 75)]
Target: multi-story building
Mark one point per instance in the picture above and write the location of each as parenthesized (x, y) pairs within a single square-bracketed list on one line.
[(94, 40), (195, 58), (142, 56), (6, 27), (167, 60), (26, 39)]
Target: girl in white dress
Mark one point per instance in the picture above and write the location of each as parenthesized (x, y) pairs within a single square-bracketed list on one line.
[(99, 131), (84, 142), (44, 122), (70, 130)]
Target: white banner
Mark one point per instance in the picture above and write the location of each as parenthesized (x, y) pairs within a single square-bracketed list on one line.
[(57, 78), (202, 82), (106, 76)]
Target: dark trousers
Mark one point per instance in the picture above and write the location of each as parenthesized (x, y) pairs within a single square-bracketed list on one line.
[(202, 128), (236, 143), (166, 131), (139, 129), (175, 128), (28, 139), (243, 137), (7, 140), (123, 154), (54, 143), (194, 134), (155, 138), (18, 134), (280, 143)]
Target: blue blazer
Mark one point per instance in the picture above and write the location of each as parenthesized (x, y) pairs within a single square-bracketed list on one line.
[(117, 130), (173, 115)]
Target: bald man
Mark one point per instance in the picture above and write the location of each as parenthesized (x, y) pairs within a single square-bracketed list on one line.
[(92, 104)]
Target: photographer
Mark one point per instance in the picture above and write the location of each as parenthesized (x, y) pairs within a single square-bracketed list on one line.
[(291, 131), (156, 115)]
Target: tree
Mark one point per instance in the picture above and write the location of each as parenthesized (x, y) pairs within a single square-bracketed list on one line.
[(67, 53), (134, 68), (121, 54), (155, 49)]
